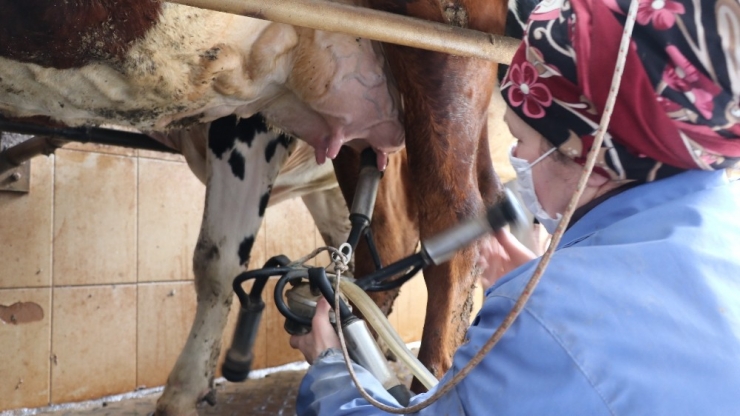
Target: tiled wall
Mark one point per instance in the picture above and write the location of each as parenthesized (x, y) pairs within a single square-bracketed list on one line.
[(97, 261), (96, 289)]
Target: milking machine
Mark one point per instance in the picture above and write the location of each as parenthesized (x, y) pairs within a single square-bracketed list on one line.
[(308, 284)]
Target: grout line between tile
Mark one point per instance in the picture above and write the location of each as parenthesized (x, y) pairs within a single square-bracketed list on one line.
[(136, 259), (7, 288), (153, 282), (95, 285), (165, 156), (161, 159), (98, 152), (51, 274)]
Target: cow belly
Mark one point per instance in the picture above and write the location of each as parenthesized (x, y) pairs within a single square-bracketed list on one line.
[(196, 66), (165, 76)]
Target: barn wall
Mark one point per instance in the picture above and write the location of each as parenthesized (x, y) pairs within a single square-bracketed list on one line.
[(97, 261), (99, 256), (500, 138)]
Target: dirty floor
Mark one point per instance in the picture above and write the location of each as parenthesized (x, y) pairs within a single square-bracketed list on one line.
[(272, 395)]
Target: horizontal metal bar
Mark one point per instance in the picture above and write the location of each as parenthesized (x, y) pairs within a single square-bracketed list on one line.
[(370, 24), (13, 157), (15, 178)]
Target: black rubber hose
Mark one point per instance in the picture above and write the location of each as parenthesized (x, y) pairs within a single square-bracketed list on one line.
[(373, 249), (87, 135), (260, 282), (382, 287), (360, 223), (317, 277), (415, 260), (254, 274)]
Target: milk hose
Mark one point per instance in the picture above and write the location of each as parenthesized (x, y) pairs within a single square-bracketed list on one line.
[(377, 320)]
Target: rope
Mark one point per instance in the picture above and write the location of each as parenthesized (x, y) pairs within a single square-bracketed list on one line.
[(336, 255), (544, 260)]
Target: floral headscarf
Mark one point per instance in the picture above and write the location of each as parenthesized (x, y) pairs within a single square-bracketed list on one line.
[(678, 106)]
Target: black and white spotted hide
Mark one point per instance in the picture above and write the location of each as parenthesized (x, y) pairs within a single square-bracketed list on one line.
[(243, 160)]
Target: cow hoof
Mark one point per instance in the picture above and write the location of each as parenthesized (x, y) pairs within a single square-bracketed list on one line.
[(173, 409), (175, 412), (210, 398), (173, 403)]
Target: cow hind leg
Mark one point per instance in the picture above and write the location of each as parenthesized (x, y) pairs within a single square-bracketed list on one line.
[(243, 160), (445, 106), (450, 285), (330, 214), (443, 135)]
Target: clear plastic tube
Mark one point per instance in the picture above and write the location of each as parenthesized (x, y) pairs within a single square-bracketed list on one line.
[(377, 320)]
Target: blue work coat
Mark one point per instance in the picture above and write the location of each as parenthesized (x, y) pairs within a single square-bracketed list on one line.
[(638, 313)]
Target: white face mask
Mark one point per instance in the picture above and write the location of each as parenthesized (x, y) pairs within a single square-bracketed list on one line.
[(525, 186)]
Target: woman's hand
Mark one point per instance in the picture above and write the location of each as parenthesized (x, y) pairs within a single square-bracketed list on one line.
[(322, 335), (500, 255)]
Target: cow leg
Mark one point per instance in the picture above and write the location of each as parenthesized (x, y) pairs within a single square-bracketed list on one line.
[(241, 170), (330, 214), (489, 183), (445, 102), (444, 167)]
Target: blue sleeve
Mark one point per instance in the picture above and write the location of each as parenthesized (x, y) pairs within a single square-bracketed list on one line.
[(328, 390), (527, 373)]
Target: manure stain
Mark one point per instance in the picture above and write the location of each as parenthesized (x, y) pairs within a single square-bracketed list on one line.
[(21, 313)]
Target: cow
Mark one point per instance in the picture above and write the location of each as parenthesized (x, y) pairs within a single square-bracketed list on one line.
[(170, 69), (446, 100)]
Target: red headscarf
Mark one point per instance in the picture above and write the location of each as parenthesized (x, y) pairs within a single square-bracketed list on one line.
[(678, 105)]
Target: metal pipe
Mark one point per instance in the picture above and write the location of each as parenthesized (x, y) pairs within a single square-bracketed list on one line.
[(370, 24), (87, 135), (14, 156), (441, 247)]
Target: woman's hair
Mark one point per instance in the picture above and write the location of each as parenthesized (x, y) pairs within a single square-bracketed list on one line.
[(546, 145)]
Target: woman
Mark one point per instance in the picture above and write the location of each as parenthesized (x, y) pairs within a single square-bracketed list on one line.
[(638, 311)]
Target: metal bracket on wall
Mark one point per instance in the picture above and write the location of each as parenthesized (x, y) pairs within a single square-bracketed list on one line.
[(15, 169), (17, 179)]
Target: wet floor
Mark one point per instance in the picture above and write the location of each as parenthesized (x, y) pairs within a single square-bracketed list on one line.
[(272, 395)]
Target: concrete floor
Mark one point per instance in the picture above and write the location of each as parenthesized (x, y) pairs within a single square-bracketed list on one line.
[(272, 395)]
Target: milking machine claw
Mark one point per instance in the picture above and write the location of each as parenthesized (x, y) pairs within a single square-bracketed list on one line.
[(239, 358), (362, 348)]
